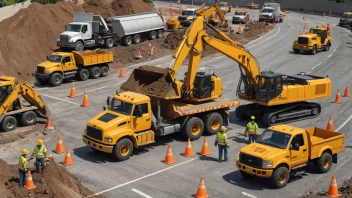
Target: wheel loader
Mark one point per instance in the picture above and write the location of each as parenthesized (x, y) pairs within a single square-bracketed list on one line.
[(318, 38)]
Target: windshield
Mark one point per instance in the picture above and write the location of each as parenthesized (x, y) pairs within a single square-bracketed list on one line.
[(55, 58), (222, 4), (240, 13), (347, 16), (187, 13), (73, 28), (274, 139), (4, 92), (315, 31), (121, 107), (267, 10), (262, 83)]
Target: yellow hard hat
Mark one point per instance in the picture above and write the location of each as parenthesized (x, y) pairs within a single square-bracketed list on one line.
[(25, 151), (252, 117), (223, 129), (40, 142)]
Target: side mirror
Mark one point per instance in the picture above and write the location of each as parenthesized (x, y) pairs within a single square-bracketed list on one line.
[(105, 107), (47, 57), (63, 61), (295, 147)]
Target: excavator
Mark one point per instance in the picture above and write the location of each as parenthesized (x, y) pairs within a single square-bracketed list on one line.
[(189, 14), (274, 97), (11, 107)]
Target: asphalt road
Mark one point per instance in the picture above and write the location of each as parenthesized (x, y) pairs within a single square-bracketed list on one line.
[(144, 175)]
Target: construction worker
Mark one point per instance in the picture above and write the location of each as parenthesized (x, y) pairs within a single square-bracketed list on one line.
[(222, 143), (39, 152), (252, 129), (22, 166)]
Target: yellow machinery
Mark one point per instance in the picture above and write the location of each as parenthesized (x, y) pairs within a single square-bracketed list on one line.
[(318, 38), (284, 150), (62, 65), (12, 108)]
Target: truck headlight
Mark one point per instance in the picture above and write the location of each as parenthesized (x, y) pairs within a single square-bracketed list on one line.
[(267, 163), (108, 140)]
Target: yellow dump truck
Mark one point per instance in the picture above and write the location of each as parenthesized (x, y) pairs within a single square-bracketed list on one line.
[(318, 38), (285, 150), (60, 65)]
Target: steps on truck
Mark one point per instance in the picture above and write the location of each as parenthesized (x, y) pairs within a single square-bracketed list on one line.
[(145, 137)]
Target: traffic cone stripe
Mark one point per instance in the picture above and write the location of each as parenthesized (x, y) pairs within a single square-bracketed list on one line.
[(60, 141), (206, 144), (30, 178), (189, 146), (68, 155), (29, 181)]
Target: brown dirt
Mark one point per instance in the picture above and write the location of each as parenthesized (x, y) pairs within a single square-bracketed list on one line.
[(20, 133), (345, 191), (57, 182)]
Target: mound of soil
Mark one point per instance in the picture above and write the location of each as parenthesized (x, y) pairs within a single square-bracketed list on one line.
[(345, 191), (56, 182)]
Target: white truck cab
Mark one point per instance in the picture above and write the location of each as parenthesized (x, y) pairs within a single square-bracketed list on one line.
[(187, 16)]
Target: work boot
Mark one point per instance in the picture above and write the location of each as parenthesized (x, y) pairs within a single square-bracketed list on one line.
[(220, 160), (226, 159)]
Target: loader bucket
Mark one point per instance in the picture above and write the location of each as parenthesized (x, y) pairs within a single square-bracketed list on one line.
[(151, 81)]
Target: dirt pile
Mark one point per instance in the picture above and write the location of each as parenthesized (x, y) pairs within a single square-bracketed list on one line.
[(345, 191), (56, 182)]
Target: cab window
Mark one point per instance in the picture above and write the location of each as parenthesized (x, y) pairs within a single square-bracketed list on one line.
[(4, 92), (298, 139), (66, 59), (143, 108)]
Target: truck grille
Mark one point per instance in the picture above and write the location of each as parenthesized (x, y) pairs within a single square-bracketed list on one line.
[(235, 18), (63, 38), (252, 161), (40, 70), (94, 133), (302, 40)]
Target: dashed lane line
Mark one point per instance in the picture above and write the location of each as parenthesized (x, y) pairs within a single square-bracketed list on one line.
[(93, 90), (141, 193), (325, 58), (248, 195), (343, 124), (60, 99)]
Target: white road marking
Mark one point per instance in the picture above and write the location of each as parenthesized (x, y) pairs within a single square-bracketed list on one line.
[(248, 195), (325, 59), (343, 124), (146, 176), (343, 163), (266, 39), (59, 99), (41, 88), (141, 193), (95, 82), (93, 90)]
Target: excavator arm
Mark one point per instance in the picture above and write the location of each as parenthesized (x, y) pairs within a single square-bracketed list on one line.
[(208, 13)]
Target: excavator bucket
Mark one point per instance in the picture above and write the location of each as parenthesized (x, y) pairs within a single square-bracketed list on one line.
[(151, 81)]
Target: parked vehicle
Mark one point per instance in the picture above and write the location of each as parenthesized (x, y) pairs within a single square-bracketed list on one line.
[(271, 12), (241, 16), (225, 7), (346, 19)]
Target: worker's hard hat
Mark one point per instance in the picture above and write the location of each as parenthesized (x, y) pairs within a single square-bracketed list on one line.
[(40, 142), (252, 117), (25, 151), (223, 129)]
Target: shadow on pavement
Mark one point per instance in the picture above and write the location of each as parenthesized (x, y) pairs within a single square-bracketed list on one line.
[(207, 158), (88, 154), (255, 183)]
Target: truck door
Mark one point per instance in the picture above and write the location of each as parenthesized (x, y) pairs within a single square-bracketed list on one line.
[(86, 34), (298, 151), (67, 64), (141, 117)]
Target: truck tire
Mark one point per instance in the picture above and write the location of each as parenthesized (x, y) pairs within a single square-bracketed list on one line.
[(56, 79), (83, 74), (314, 50), (296, 51), (123, 149), (160, 34), (9, 123), (213, 123), (323, 163), (327, 46), (136, 39), (127, 41), (193, 128), (152, 35), (28, 118), (104, 71), (40, 81), (246, 175), (94, 72), (280, 177), (79, 46), (109, 43)]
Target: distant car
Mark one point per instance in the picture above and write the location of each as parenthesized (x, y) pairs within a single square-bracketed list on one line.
[(253, 6), (346, 19), (225, 7), (241, 16)]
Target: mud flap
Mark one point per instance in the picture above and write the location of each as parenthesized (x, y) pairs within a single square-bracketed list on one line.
[(334, 158)]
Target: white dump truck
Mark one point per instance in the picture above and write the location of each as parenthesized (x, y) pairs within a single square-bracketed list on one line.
[(271, 12), (89, 30)]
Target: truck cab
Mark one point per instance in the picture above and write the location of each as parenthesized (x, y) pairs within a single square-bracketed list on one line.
[(346, 19), (187, 16), (240, 16), (76, 31), (318, 38), (271, 12)]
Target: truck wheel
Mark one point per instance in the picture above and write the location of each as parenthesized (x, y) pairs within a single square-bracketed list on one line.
[(246, 175), (123, 149), (79, 46), (109, 43), (327, 46), (56, 79), (314, 50), (94, 72), (40, 81), (152, 35), (296, 51), (9, 123), (127, 40), (83, 74), (136, 39), (160, 34), (240, 112), (29, 118), (280, 177), (194, 128), (104, 71), (323, 163), (213, 123)]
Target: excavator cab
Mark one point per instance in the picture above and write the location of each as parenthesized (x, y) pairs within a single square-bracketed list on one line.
[(203, 85), (269, 86)]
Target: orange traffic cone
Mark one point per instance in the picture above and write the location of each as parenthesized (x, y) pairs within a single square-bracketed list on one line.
[(239, 30), (201, 192), (68, 158), (29, 181), (48, 125), (205, 148), (330, 126), (139, 55), (169, 158), (305, 27), (86, 102), (338, 97), (231, 29), (122, 72), (73, 92), (333, 189), (347, 92), (188, 150), (152, 50), (59, 146)]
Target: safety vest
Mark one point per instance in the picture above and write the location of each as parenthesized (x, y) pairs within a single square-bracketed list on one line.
[(39, 153), (22, 163), (252, 128), (222, 139)]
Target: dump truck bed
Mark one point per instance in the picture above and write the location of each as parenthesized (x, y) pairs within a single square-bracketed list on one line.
[(321, 139), (92, 57)]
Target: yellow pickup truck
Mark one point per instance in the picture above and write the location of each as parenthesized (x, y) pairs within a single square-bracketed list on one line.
[(285, 150), (60, 65)]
